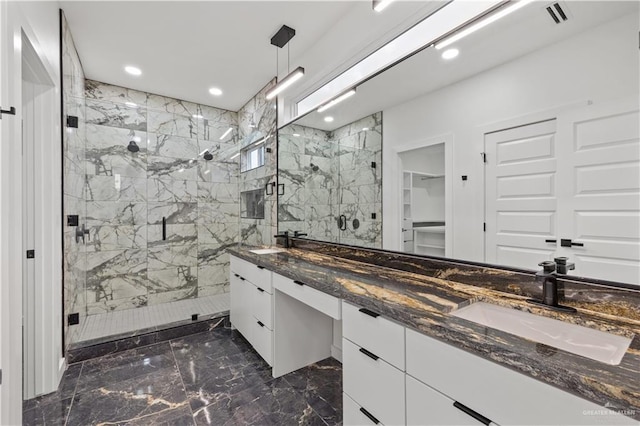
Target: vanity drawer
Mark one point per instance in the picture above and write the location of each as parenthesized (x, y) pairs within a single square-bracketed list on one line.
[(354, 415), (427, 407), (316, 299), (374, 384), (262, 306), (262, 341), (257, 275), (376, 334)]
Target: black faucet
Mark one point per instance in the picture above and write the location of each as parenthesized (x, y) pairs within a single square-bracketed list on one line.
[(297, 234), (549, 278), (285, 236)]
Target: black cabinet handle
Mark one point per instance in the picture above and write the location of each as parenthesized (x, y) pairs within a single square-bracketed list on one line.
[(236, 275), (369, 415), (369, 354), (369, 312), (164, 228), (260, 267), (260, 290), (241, 279), (566, 242), (298, 282), (479, 417), (550, 241), (260, 324)]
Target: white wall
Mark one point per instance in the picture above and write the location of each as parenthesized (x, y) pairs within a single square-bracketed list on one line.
[(39, 23), (596, 65)]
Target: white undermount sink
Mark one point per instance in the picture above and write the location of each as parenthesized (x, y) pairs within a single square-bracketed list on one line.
[(595, 344), (267, 251)]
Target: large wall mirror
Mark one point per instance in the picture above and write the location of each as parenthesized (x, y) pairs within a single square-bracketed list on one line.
[(516, 144)]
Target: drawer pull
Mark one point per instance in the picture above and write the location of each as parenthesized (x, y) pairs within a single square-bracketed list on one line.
[(236, 275), (260, 324), (369, 312), (369, 415), (260, 267), (479, 417), (298, 282), (241, 279), (260, 290), (369, 354)]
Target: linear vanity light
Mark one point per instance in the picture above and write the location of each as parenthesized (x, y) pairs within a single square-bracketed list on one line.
[(224, 135), (294, 76), (379, 5), (482, 23), (337, 100)]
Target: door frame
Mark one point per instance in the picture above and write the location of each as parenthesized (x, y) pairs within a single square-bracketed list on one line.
[(396, 163)]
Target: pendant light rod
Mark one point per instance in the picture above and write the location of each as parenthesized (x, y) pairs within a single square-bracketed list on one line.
[(294, 76)]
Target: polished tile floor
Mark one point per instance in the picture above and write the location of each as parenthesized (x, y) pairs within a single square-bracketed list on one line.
[(212, 378)]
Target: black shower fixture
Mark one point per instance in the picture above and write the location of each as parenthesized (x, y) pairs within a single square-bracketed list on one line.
[(207, 156), (133, 146)]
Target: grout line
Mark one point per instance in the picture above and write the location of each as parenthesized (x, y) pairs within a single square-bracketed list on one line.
[(184, 388)]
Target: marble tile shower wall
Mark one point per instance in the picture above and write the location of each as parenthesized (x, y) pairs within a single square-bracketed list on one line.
[(258, 119), (74, 177), (328, 174), (128, 264)]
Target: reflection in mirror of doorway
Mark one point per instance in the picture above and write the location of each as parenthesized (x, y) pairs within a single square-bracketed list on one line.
[(423, 199)]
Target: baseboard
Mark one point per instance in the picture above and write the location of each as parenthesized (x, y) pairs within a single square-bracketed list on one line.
[(336, 352)]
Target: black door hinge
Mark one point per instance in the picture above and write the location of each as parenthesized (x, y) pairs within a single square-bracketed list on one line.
[(484, 226), (31, 254), (72, 121), (10, 111), (73, 319), (484, 157)]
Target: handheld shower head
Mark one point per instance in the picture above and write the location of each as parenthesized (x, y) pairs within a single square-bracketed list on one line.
[(133, 146), (207, 156)]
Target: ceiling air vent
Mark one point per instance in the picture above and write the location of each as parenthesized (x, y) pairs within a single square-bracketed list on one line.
[(557, 12)]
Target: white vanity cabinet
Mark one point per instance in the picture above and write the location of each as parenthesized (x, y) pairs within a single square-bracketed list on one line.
[(373, 367), (252, 305)]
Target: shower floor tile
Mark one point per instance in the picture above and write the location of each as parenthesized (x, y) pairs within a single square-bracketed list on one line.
[(214, 377), (151, 318)]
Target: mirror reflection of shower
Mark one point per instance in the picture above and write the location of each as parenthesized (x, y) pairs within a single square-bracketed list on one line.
[(133, 141)]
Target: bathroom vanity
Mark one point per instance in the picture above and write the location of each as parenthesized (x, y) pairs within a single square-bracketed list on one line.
[(408, 359)]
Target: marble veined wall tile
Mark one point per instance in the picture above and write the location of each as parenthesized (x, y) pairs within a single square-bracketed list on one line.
[(180, 234), (107, 154), (110, 238), (172, 168), (172, 146), (175, 283), (357, 126), (216, 232), (213, 270), (172, 190), (171, 105), (215, 129), (175, 213), (209, 192), (218, 213), (172, 256), (115, 188), (116, 213), (166, 123), (211, 172), (115, 115), (109, 93)]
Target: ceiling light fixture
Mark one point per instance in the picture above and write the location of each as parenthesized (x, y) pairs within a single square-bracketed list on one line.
[(328, 119), (450, 53), (482, 23), (215, 91), (380, 5), (133, 70), (337, 100), (224, 135), (281, 39)]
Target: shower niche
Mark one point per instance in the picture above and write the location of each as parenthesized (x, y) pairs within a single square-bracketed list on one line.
[(252, 204)]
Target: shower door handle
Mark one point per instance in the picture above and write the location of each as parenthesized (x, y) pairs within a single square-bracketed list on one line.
[(164, 228)]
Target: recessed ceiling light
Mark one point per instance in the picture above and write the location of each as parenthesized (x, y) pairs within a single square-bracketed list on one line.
[(132, 70), (215, 91), (131, 104), (450, 53), (328, 119)]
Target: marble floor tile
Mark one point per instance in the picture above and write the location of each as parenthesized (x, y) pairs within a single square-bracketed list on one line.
[(210, 378)]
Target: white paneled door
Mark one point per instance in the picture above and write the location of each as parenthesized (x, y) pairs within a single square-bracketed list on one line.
[(521, 199), (567, 187), (599, 189)]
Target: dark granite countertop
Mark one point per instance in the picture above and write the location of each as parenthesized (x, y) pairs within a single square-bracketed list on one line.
[(423, 303)]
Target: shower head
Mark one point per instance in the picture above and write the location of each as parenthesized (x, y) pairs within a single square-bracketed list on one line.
[(207, 156), (133, 146)]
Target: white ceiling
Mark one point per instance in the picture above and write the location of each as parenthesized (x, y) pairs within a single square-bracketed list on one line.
[(525, 31), (183, 48)]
